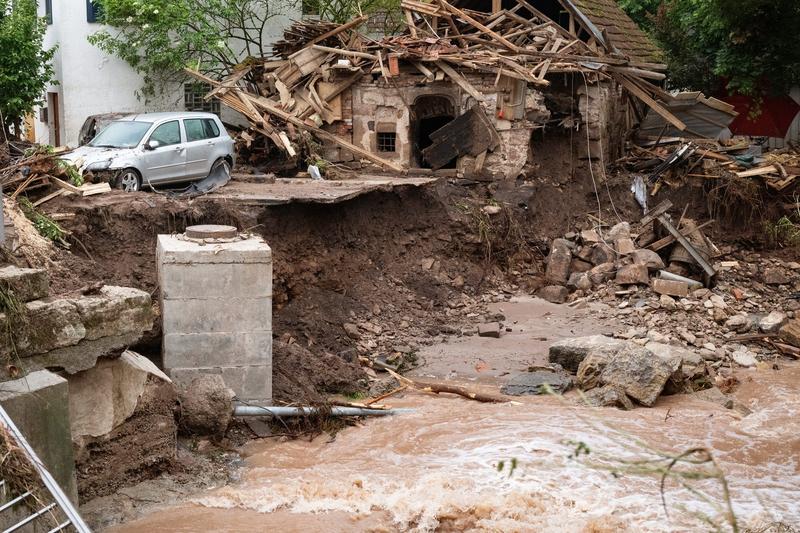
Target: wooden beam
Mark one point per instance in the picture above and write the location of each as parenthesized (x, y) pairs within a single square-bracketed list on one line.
[(343, 52), (647, 99), (266, 105), (499, 38), (344, 27), (460, 80)]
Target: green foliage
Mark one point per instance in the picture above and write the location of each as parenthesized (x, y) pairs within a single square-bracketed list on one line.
[(46, 226), (641, 11), (73, 176), (784, 232), (750, 44), (158, 39), (25, 66)]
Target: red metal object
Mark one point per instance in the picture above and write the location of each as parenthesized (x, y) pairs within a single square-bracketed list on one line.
[(768, 117)]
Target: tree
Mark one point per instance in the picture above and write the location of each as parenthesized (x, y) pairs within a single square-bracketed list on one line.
[(746, 46), (25, 66), (158, 39)]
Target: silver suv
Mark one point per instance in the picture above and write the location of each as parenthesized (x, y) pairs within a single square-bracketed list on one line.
[(156, 149)]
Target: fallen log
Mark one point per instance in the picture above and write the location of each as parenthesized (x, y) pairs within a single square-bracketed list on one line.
[(438, 387)]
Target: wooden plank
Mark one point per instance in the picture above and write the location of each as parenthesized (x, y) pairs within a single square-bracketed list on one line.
[(647, 99), (352, 53), (760, 171), (412, 28), (267, 105), (49, 197), (499, 38), (66, 186), (468, 134), (336, 31), (90, 189)]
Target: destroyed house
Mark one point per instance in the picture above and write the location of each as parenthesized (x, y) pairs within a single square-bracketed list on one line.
[(477, 85)]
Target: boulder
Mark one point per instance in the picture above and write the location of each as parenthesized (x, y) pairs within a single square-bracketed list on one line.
[(790, 332), (603, 253), (636, 371), (579, 281), (570, 352), (772, 322), (590, 370), (634, 274), (648, 258), (590, 236), (775, 276), (553, 293), (619, 231), (608, 396), (679, 289), (738, 323), (624, 246), (206, 405), (744, 357), (558, 261), (667, 302), (578, 265), (537, 382), (601, 273)]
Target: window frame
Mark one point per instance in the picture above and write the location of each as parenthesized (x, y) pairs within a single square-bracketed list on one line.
[(180, 133), (205, 136), (94, 12), (379, 143)]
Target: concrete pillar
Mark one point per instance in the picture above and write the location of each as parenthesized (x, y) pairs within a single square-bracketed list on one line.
[(39, 406), (216, 305)]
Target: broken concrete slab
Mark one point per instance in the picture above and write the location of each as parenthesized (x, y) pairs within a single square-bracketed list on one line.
[(54, 331), (25, 284), (39, 406), (570, 352), (538, 382), (104, 396)]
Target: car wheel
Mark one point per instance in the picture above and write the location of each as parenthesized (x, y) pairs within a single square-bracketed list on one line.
[(129, 180), (218, 163)]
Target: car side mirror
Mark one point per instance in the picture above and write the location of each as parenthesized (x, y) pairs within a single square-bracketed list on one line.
[(152, 144)]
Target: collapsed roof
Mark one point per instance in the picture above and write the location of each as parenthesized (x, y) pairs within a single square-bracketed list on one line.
[(317, 61)]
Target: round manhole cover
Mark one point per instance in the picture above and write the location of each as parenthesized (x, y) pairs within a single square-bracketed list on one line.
[(211, 231)]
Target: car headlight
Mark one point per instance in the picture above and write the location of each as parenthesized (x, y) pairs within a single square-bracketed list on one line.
[(99, 165)]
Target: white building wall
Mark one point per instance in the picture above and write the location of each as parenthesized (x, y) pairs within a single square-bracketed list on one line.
[(92, 82)]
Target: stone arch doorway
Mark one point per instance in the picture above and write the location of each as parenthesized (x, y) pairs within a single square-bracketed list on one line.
[(431, 112)]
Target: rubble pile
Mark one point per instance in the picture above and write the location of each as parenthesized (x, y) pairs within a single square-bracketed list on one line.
[(656, 253), (33, 168), (730, 169)]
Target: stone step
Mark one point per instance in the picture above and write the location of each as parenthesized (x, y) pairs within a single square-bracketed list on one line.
[(26, 284)]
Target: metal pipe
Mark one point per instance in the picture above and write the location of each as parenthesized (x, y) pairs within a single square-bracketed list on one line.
[(281, 410)]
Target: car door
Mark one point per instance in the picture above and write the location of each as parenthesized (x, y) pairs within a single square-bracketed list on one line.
[(167, 162), (201, 136)]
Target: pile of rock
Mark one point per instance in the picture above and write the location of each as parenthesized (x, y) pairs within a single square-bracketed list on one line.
[(618, 372), (585, 261)]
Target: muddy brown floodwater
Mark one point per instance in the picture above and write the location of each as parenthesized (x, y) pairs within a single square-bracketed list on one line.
[(436, 468)]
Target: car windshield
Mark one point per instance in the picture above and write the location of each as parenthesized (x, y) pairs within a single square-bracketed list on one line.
[(121, 134)]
